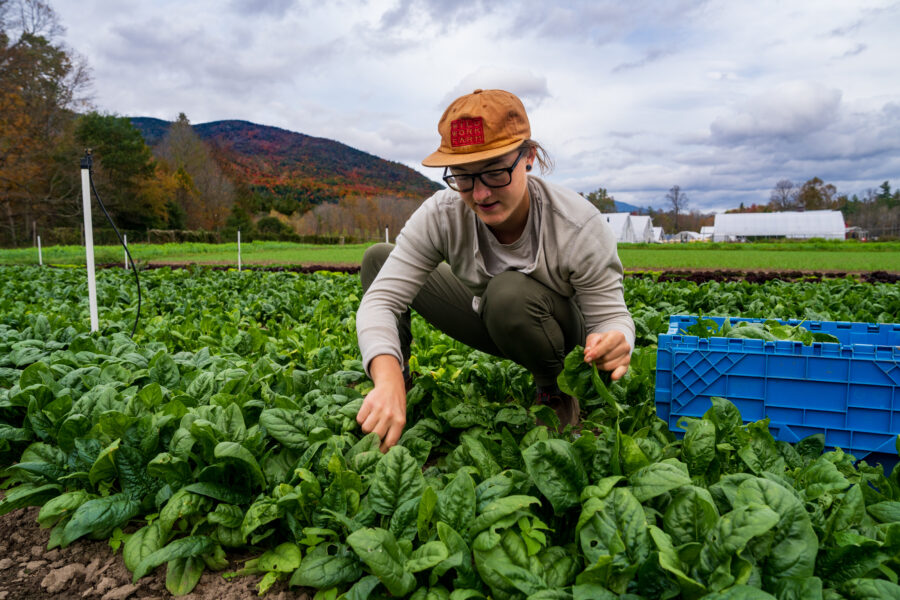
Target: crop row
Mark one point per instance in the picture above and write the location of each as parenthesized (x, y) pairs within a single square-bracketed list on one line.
[(228, 422)]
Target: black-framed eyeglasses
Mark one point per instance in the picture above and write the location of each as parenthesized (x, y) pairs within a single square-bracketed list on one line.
[(493, 178)]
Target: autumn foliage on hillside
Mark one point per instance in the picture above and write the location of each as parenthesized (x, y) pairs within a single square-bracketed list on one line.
[(268, 157), (154, 174), (298, 183), (284, 164)]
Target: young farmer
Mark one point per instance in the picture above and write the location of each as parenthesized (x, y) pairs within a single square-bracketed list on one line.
[(502, 261)]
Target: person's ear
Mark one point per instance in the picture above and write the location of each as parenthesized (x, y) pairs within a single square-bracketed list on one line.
[(531, 156)]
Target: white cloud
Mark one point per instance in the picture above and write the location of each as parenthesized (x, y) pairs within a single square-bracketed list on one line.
[(272, 8), (530, 88), (720, 97), (786, 112)]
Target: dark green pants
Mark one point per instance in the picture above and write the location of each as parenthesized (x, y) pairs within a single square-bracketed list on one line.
[(521, 319)]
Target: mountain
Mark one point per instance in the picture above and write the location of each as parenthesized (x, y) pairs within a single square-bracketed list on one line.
[(629, 208), (297, 167)]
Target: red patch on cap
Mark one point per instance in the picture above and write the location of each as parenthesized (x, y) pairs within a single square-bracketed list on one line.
[(466, 132)]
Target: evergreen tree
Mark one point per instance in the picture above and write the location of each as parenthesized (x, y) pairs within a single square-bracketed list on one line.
[(604, 202), (124, 170)]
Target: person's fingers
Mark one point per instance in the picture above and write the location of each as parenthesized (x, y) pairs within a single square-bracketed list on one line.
[(382, 428), (363, 413), (383, 413), (392, 437), (616, 352), (593, 343), (611, 348), (592, 340), (606, 343), (603, 344), (594, 353), (619, 372), (372, 423), (612, 364)]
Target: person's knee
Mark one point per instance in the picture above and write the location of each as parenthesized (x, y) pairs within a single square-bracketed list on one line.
[(510, 302), (373, 259), (506, 288)]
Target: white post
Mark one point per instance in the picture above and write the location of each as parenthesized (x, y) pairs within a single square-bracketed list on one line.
[(125, 243), (40, 257), (385, 234), (239, 250), (89, 245)]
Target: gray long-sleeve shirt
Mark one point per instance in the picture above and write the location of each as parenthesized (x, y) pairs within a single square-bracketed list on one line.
[(574, 254)]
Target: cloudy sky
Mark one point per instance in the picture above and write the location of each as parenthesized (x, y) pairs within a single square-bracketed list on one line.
[(722, 98)]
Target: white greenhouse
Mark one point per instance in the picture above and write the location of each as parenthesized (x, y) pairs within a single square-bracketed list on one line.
[(686, 236), (621, 226), (828, 224), (643, 228), (659, 235)]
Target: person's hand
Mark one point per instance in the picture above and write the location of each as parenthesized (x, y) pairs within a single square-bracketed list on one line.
[(610, 351), (384, 408)]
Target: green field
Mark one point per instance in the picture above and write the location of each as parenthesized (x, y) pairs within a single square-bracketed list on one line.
[(753, 260), (226, 429), (256, 253), (802, 256)]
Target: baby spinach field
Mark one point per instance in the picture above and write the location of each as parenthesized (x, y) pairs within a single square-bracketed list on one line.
[(227, 424)]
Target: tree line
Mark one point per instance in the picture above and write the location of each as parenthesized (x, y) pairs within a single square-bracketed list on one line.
[(674, 218), (47, 120), (46, 123), (876, 213)]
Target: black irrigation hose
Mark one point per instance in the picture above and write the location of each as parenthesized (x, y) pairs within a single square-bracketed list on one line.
[(87, 162)]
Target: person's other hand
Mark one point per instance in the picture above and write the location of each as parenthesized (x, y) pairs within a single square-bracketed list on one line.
[(384, 408), (610, 351)]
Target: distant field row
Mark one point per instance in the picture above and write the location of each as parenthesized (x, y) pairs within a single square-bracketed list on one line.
[(274, 253), (759, 260), (803, 256)]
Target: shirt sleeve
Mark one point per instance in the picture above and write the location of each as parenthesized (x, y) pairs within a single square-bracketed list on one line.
[(597, 276), (415, 255)]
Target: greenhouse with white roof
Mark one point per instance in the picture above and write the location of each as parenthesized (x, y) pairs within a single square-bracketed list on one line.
[(621, 226), (828, 224)]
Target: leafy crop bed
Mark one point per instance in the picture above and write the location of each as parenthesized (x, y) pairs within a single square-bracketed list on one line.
[(227, 426)]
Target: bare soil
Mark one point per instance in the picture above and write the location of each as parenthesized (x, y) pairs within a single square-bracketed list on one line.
[(90, 570)]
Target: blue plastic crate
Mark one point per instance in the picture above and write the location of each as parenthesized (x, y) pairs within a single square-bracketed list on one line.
[(850, 391)]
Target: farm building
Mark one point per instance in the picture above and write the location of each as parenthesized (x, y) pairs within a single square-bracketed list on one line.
[(621, 226), (686, 236), (643, 228), (857, 233), (828, 224), (706, 232), (659, 235)]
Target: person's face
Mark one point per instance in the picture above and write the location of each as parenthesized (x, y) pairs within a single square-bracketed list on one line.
[(503, 209)]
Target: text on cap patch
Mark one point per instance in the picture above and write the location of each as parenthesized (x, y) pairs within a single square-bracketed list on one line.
[(466, 132)]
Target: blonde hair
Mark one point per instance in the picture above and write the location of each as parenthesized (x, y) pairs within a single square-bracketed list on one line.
[(540, 155)]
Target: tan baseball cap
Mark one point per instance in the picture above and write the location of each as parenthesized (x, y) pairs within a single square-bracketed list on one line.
[(478, 126)]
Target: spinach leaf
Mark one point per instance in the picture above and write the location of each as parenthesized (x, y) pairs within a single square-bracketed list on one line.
[(397, 479), (378, 549)]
